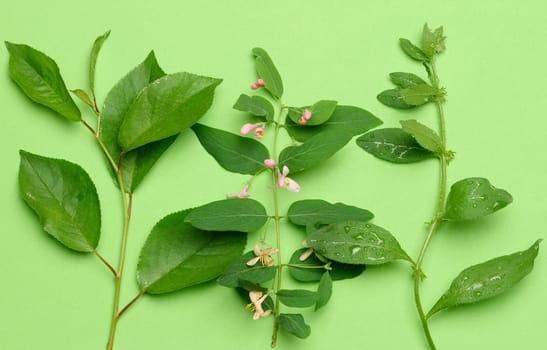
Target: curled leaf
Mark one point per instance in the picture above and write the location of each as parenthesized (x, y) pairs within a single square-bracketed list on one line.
[(426, 137)]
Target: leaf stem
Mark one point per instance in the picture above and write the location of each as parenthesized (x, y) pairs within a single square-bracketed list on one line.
[(105, 262), (129, 304), (276, 218), (437, 219)]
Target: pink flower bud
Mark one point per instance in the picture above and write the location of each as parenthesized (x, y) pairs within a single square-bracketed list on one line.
[(247, 128), (270, 163), (254, 86), (260, 82)]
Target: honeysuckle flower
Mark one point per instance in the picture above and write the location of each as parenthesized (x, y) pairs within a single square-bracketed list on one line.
[(307, 253), (270, 163), (257, 127), (257, 84), (242, 194), (259, 132), (257, 298), (286, 182), (263, 255), (306, 115)]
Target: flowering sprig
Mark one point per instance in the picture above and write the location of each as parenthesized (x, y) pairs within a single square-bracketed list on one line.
[(319, 131)]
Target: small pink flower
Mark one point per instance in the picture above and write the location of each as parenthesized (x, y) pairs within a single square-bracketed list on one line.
[(263, 255), (259, 132), (304, 117), (286, 182), (257, 84), (257, 298), (242, 194), (257, 127), (270, 163)]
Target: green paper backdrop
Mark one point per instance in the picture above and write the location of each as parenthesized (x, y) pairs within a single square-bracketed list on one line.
[(495, 74)]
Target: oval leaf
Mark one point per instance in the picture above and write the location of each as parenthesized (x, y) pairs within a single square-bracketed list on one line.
[(233, 152), (419, 94), (486, 280), (177, 255), (244, 215), (39, 78), (266, 71), (394, 99), (426, 137), (316, 211), (405, 80), (321, 112), (166, 107), (136, 163), (393, 145), (350, 119), (64, 198), (256, 105), (324, 291), (97, 45), (294, 324), (413, 51), (238, 272), (297, 297), (312, 269), (473, 198), (315, 150), (354, 242)]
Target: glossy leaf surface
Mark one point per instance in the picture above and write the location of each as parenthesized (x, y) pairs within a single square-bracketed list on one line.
[(394, 99), (297, 297), (306, 273), (412, 50), (97, 45), (314, 151), (324, 291), (238, 271), (405, 80), (38, 76), (316, 211), (350, 119), (486, 280), (393, 145), (294, 324), (473, 198), (244, 215), (256, 105), (64, 198), (234, 153), (266, 71), (165, 107), (355, 242), (177, 255), (426, 137)]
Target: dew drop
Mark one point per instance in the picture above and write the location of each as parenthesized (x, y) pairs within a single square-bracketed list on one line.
[(347, 229), (355, 250), (477, 293), (465, 278), (474, 205)]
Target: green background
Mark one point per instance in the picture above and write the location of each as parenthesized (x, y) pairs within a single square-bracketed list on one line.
[(494, 71)]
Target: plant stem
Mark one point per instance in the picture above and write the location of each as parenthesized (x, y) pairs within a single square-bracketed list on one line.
[(277, 218), (105, 262), (129, 304), (437, 219)]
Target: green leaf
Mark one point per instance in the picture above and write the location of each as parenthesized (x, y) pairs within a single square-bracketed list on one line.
[(312, 269), (38, 76), (413, 51), (238, 271), (294, 324), (177, 255), (97, 45), (314, 151), (233, 152), (350, 119), (166, 107), (432, 41), (324, 291), (297, 297), (486, 280), (406, 80), (419, 94), (244, 215), (266, 71), (256, 105), (355, 242), (426, 137), (394, 99), (83, 96), (321, 112), (316, 211), (473, 198), (64, 198), (393, 145), (137, 163)]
